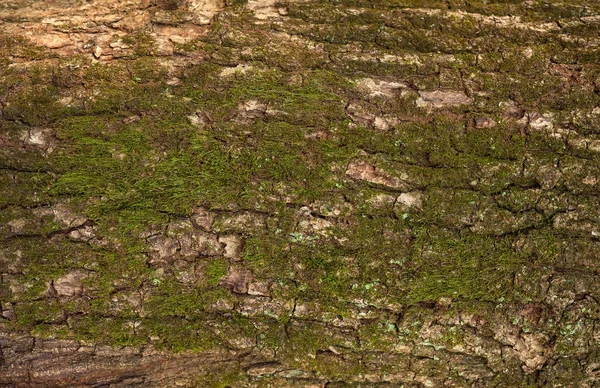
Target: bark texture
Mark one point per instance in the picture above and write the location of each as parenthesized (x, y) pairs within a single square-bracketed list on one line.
[(315, 193)]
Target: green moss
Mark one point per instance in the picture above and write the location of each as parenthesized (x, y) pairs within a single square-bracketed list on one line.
[(39, 314), (178, 335), (112, 331), (20, 47), (142, 43), (128, 156), (227, 376), (215, 271), (447, 265), (34, 105), (378, 336)]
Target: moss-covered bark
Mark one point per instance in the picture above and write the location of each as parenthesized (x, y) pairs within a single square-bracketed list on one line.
[(309, 193)]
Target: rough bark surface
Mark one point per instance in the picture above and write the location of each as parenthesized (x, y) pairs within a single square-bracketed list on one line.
[(309, 193)]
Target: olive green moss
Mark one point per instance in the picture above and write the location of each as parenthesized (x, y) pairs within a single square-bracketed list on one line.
[(129, 159)]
